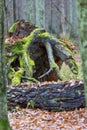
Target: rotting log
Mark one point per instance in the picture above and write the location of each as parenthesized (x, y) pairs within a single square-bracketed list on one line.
[(31, 52), (52, 97)]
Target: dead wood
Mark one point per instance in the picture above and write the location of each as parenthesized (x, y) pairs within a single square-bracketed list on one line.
[(55, 97), (47, 52)]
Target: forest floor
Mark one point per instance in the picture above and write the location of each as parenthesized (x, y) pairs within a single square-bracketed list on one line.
[(28, 119), (36, 119)]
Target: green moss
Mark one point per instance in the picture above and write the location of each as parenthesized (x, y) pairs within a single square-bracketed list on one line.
[(11, 73), (44, 35), (65, 47), (13, 27), (30, 104), (29, 64), (29, 39), (17, 76), (10, 70), (73, 66), (62, 44), (54, 66), (17, 48), (22, 61)]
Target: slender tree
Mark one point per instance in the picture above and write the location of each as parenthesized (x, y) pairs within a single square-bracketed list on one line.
[(82, 13), (40, 13), (4, 124)]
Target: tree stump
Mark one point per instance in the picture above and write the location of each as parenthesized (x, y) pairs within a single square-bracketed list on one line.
[(37, 53)]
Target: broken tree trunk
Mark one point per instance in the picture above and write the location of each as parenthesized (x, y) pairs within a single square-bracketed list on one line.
[(55, 97), (34, 53)]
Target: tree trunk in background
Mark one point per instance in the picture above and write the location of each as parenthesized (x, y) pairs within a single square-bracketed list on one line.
[(9, 15), (68, 10), (63, 29), (53, 15), (48, 20), (32, 10), (40, 13), (74, 31), (4, 124), (82, 5)]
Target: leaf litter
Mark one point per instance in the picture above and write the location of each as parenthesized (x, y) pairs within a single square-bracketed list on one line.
[(36, 119)]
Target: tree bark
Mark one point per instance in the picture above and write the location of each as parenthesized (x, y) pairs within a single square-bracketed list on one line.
[(40, 13), (82, 4), (4, 124), (55, 97)]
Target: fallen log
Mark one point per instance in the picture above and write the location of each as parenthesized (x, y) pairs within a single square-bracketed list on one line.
[(52, 97)]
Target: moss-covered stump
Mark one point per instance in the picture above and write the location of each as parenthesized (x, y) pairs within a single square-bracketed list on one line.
[(33, 53), (55, 97)]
